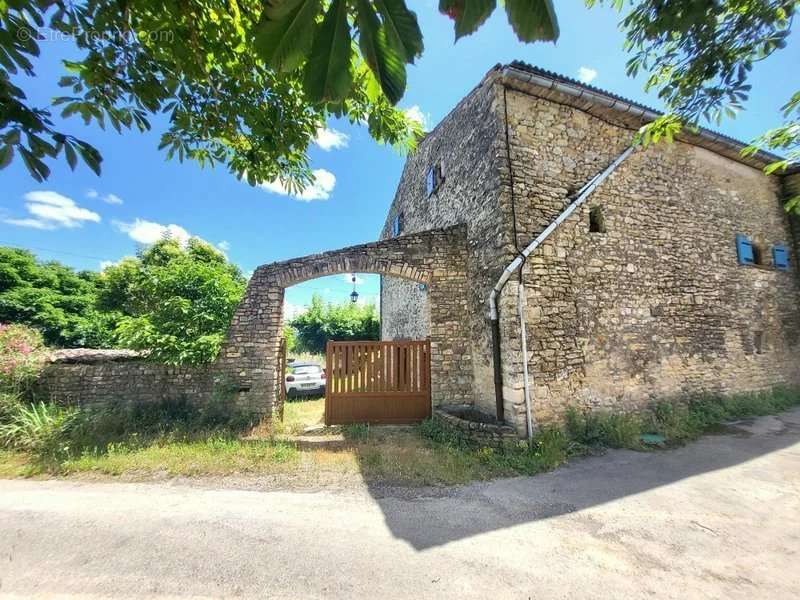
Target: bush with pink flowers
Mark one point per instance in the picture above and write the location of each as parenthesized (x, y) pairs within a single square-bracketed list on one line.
[(22, 355)]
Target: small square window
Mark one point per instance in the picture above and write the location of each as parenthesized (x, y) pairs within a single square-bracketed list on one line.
[(597, 220), (434, 179)]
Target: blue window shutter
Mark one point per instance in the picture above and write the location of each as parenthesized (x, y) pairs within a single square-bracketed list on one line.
[(396, 225), (744, 249), (429, 181), (780, 257)]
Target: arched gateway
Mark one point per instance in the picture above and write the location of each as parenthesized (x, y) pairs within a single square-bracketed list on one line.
[(437, 258)]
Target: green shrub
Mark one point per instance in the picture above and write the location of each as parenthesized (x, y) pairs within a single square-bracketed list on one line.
[(356, 432), (323, 322), (602, 429), (39, 429), (22, 356), (9, 404), (436, 430)]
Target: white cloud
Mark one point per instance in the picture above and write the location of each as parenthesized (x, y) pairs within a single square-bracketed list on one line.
[(320, 189), (104, 264), (415, 114), (107, 198), (149, 232), (330, 139), (348, 277), (51, 210), (586, 75), (224, 245)]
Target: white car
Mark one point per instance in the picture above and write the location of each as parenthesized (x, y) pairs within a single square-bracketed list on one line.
[(305, 379)]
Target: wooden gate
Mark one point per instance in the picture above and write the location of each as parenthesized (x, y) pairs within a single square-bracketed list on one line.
[(378, 382)]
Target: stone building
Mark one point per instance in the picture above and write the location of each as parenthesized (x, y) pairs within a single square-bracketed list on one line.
[(677, 275)]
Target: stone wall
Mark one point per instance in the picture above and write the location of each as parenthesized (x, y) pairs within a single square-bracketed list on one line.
[(409, 310), (656, 306), (94, 378), (466, 144)]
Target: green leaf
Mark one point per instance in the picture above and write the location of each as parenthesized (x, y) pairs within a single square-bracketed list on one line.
[(533, 20), (37, 169), (402, 29), (328, 76), (383, 59), (6, 155), (284, 36), (90, 156), (72, 158), (468, 15)]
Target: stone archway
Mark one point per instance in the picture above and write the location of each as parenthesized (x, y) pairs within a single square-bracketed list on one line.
[(437, 258)]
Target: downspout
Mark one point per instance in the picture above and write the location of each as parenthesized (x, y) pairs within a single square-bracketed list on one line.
[(515, 264), (495, 324)]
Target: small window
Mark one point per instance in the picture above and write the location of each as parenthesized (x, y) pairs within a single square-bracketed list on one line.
[(597, 220), (397, 224), (780, 257), (434, 179), (758, 342), (758, 254)]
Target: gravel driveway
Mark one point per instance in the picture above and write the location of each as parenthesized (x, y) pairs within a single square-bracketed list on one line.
[(719, 518)]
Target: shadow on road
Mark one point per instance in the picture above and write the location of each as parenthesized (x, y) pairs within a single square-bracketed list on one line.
[(579, 485)]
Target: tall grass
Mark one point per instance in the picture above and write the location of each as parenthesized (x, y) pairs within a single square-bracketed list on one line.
[(53, 434), (677, 421)]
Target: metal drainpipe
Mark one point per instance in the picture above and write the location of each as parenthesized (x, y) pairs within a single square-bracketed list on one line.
[(515, 264), (495, 324)]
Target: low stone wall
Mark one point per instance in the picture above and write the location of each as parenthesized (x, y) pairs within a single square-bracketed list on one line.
[(476, 427), (94, 378)]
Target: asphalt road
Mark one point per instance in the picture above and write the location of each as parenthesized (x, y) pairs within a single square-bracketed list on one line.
[(719, 518)]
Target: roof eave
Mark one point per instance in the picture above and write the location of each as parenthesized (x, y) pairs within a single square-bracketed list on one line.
[(577, 91)]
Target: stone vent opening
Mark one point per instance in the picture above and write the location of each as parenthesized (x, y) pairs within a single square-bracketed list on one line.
[(758, 342), (597, 220)]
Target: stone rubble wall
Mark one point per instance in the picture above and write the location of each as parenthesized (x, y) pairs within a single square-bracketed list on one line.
[(480, 434), (657, 306), (408, 308), (466, 143), (96, 378)]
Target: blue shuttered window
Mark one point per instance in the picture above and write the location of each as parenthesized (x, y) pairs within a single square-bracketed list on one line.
[(430, 181), (744, 249), (397, 224), (780, 257)]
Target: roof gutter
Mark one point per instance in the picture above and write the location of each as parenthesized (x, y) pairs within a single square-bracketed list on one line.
[(622, 106)]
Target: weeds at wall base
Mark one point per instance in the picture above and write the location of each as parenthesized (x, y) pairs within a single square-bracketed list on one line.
[(678, 421)]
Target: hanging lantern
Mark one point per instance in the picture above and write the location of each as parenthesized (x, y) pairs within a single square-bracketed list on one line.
[(354, 294)]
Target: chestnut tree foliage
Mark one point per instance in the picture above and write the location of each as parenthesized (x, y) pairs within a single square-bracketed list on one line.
[(245, 83)]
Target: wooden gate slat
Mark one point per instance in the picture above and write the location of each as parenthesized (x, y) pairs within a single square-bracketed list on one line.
[(377, 382)]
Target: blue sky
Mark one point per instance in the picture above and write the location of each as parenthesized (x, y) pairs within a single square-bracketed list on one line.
[(139, 190)]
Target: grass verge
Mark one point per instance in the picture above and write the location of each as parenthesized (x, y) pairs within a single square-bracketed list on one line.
[(429, 454)]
